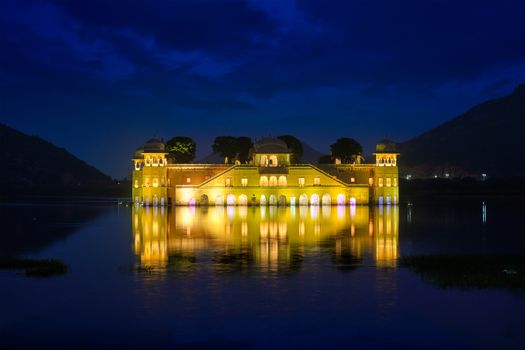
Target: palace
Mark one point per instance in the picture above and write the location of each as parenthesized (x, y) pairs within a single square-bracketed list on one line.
[(268, 179)]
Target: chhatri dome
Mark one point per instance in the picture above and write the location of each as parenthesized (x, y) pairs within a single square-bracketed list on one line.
[(270, 145), (154, 146)]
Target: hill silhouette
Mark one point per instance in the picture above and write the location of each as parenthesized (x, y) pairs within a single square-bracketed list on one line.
[(489, 138), (33, 164)]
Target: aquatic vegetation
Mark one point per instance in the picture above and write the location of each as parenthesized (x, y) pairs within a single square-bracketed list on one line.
[(470, 271), (34, 267)]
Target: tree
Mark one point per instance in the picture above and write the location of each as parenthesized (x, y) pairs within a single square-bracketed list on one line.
[(295, 146), (226, 147), (233, 148), (346, 149), (243, 145), (326, 159), (181, 149)]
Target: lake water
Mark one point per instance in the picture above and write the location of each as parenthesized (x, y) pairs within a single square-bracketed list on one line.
[(255, 278)]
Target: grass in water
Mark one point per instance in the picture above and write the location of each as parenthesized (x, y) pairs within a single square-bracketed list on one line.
[(470, 271), (34, 267)]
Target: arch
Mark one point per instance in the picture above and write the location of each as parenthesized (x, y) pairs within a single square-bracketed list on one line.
[(282, 180), (263, 181), (282, 200), (162, 201), (380, 200), (314, 199), (353, 201), (262, 200), (292, 200), (219, 200), (341, 199), (204, 200), (273, 160), (303, 199), (230, 200), (388, 200), (155, 200), (326, 199), (272, 200), (147, 201), (191, 202), (264, 160), (243, 200), (395, 200), (273, 181)]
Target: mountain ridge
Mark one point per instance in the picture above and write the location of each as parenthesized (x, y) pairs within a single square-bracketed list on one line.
[(32, 162), (487, 138)]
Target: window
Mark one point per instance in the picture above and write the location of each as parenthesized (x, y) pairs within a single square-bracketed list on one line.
[(352, 179), (244, 182), (136, 183), (370, 181), (282, 180), (273, 181), (395, 181), (301, 182), (228, 181), (317, 181), (263, 181), (188, 179), (137, 165), (388, 182), (155, 182), (380, 182), (147, 182)]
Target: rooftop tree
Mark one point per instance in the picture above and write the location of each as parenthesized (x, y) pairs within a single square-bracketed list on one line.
[(226, 146), (346, 149), (181, 149)]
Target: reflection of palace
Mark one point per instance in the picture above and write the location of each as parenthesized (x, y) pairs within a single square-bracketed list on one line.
[(272, 238), (267, 179)]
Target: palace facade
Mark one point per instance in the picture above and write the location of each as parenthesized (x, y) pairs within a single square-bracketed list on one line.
[(268, 179)]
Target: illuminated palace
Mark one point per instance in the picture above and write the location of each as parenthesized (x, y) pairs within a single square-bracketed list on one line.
[(268, 179)]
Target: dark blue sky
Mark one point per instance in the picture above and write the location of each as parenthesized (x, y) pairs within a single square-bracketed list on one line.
[(100, 77)]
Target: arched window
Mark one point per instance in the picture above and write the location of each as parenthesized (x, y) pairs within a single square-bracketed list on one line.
[(314, 199), (273, 181), (243, 200), (273, 200), (327, 200), (219, 200), (303, 199), (282, 180), (230, 200), (264, 160), (262, 200), (341, 200), (155, 182), (136, 183), (273, 160), (263, 181)]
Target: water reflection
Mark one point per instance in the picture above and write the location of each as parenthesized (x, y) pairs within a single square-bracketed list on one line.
[(264, 239)]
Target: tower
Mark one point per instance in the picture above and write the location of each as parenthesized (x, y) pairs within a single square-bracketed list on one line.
[(150, 174), (385, 186)]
